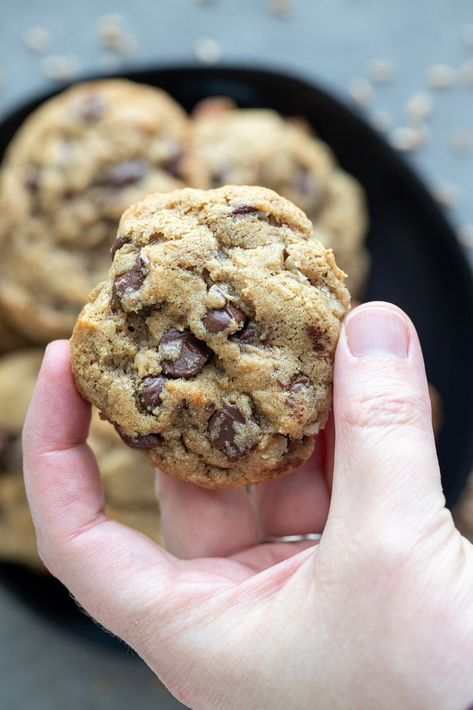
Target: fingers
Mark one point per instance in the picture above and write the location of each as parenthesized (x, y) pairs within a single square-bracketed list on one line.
[(296, 504), (114, 572), (200, 523), (385, 461)]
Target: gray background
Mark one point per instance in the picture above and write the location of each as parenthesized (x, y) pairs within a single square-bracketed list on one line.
[(331, 41)]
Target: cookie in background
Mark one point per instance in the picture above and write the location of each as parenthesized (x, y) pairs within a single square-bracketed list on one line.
[(127, 478), (73, 167), (261, 147)]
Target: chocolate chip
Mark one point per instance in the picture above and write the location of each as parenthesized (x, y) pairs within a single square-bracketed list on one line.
[(318, 337), (118, 243), (274, 222), (150, 392), (245, 209), (297, 386), (31, 178), (223, 432), (131, 280), (191, 354), (127, 173), (217, 319), (146, 441), (173, 165), (248, 335), (299, 383), (91, 108)]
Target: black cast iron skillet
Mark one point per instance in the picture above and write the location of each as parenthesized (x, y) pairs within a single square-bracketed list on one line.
[(417, 264)]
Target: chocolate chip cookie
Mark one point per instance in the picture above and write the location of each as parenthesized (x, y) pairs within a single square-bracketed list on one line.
[(127, 478), (260, 147), (210, 345), (76, 163)]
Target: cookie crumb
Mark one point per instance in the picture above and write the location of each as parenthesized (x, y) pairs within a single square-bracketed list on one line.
[(60, 67), (446, 194), (466, 71), (382, 120), (460, 141), (441, 76), (381, 71), (37, 39), (409, 138), (112, 35), (419, 106), (207, 50), (280, 7), (465, 235), (361, 91)]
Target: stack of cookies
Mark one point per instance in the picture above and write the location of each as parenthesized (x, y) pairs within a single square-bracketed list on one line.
[(74, 166)]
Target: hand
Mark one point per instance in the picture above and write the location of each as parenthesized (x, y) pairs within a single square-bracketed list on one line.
[(378, 615)]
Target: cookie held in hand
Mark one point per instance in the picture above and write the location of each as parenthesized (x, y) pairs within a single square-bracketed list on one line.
[(210, 345)]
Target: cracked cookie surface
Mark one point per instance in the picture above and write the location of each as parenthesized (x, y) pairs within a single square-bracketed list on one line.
[(210, 345), (75, 164)]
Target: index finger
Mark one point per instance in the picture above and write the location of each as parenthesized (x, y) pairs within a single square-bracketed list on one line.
[(113, 571)]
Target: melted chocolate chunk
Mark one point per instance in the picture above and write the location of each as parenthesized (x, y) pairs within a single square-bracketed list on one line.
[(150, 392), (299, 383), (318, 337), (222, 430), (131, 280), (245, 209), (274, 222), (173, 165), (248, 335), (297, 386), (92, 108), (118, 243), (145, 441), (127, 173), (217, 319), (192, 354)]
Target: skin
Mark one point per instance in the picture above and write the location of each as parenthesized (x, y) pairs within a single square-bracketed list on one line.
[(378, 615)]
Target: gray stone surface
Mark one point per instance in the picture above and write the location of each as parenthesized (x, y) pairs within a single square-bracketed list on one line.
[(330, 42)]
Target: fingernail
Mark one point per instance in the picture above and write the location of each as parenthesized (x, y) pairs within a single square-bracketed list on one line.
[(377, 331)]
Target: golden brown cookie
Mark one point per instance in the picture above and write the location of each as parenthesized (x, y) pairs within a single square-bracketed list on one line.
[(75, 164), (260, 147), (210, 345)]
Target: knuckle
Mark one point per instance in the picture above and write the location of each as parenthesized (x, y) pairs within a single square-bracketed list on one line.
[(372, 409)]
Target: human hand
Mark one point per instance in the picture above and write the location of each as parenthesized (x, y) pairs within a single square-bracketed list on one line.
[(378, 615)]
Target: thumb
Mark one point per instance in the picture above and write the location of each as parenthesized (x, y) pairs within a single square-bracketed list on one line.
[(385, 465)]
